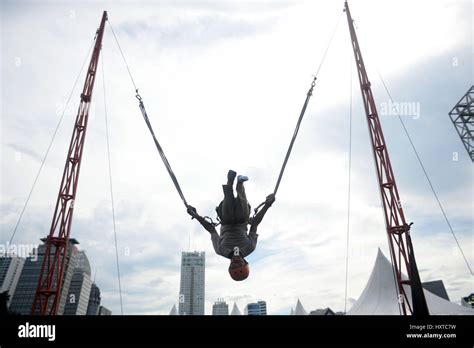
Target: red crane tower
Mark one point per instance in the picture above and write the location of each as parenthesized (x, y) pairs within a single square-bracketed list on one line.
[(401, 248), (48, 291)]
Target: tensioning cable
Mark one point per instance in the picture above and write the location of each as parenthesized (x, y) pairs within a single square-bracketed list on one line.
[(150, 128)]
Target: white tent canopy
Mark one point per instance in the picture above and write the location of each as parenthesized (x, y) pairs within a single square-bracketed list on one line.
[(173, 311), (235, 310), (380, 295), (299, 309)]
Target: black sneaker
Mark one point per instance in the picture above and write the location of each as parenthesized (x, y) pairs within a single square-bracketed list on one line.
[(231, 176)]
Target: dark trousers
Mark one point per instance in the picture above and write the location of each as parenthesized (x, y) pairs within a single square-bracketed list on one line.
[(234, 210)]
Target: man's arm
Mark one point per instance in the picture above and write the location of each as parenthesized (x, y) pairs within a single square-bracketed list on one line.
[(259, 217), (206, 224)]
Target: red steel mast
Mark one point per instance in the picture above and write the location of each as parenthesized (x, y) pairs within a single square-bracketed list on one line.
[(401, 249), (48, 291)]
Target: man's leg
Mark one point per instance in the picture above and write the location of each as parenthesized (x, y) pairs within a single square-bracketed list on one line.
[(228, 204), (242, 209)]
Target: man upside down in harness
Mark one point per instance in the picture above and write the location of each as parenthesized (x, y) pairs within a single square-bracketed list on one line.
[(234, 213)]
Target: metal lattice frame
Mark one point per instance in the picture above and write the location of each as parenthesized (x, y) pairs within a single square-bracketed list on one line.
[(401, 248), (48, 292), (462, 116)]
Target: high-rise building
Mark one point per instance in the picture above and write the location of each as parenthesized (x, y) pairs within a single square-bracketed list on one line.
[(191, 290), (80, 288), (253, 309), (258, 308), (104, 311), (263, 307), (94, 300), (220, 307), (10, 270), (24, 295)]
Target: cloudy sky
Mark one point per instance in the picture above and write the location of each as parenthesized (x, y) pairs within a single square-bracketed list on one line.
[(223, 83)]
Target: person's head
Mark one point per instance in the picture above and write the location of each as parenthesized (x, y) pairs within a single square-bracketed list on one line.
[(238, 268)]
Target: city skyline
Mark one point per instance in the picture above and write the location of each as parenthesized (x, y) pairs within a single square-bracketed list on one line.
[(23, 297), (79, 293), (82, 288)]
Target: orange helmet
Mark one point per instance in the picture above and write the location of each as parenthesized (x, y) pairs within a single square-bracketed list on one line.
[(238, 268)]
